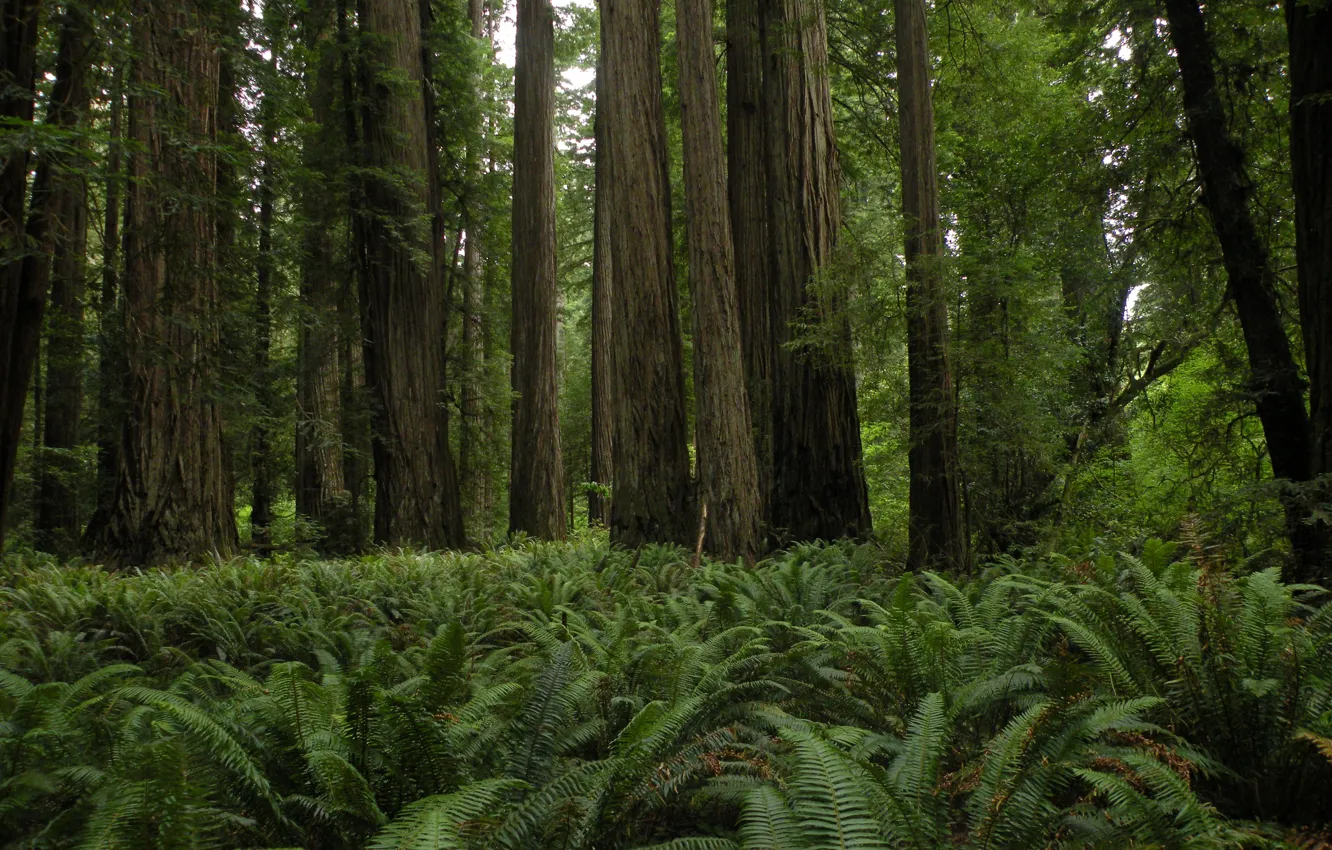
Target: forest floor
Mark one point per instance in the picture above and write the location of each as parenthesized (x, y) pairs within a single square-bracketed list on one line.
[(579, 696)]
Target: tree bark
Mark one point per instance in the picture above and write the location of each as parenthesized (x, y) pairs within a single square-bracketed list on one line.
[(262, 460), (1309, 27), (651, 500), (473, 466), (818, 480), (1274, 378), (937, 539), (749, 223), (319, 473), (536, 483), (728, 485), (110, 350), (603, 306), (57, 522), (402, 303), (173, 496), (23, 299)]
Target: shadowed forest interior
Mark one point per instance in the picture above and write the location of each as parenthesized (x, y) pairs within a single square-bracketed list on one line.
[(624, 424)]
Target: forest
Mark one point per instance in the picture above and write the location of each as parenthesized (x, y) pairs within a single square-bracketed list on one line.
[(640, 425)]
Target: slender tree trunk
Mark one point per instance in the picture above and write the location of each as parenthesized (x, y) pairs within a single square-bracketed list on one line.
[(727, 474), (319, 472), (111, 367), (749, 222), (937, 539), (1228, 193), (651, 500), (472, 467), (402, 304), (1309, 26), (173, 494), (536, 483), (603, 306), (57, 522), (262, 460), (23, 298), (818, 480)]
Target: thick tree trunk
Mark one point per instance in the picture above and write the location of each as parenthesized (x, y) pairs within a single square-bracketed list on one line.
[(937, 538), (536, 483), (1274, 377), (402, 303), (58, 524), (22, 299), (603, 307), (1309, 26), (651, 500), (818, 480), (173, 495), (319, 474), (749, 221), (727, 475)]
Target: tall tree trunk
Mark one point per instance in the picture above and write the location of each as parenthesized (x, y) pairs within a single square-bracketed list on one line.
[(749, 221), (23, 298), (173, 495), (319, 473), (402, 303), (1309, 26), (262, 460), (1228, 194), (473, 470), (603, 306), (651, 500), (536, 483), (58, 523), (937, 538), (110, 349), (818, 480), (727, 475)]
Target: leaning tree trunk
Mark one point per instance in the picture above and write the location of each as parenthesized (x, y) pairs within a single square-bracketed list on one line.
[(58, 524), (603, 305), (402, 303), (937, 538), (651, 499), (1310, 31), (818, 480), (173, 496), (319, 479), (22, 299), (1274, 377), (728, 487), (749, 223), (536, 476)]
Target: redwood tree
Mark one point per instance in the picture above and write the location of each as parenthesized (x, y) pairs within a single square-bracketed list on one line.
[(536, 478), (937, 537), (173, 495), (651, 498), (603, 305), (727, 476), (402, 299), (819, 486), (58, 522)]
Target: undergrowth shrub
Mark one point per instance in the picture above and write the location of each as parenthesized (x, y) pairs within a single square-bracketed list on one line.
[(579, 696)]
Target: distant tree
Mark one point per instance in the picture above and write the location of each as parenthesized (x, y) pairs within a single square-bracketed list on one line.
[(603, 306), (536, 477), (937, 536)]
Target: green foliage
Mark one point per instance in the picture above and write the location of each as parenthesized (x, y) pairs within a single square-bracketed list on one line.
[(578, 696)]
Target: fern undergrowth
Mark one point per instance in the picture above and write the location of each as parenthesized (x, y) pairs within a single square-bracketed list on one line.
[(576, 696)]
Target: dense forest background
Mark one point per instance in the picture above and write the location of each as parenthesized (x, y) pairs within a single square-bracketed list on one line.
[(253, 229)]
